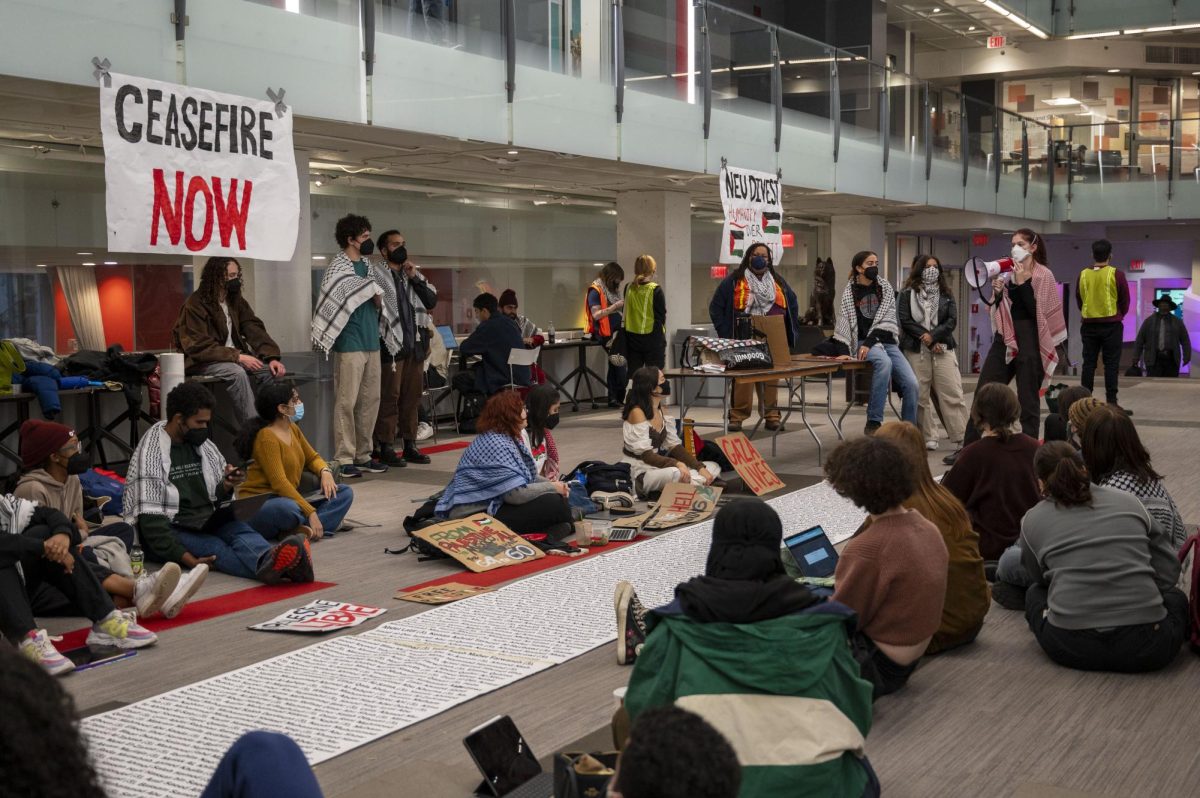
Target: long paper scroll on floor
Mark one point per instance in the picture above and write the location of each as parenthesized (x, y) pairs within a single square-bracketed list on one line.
[(177, 738)]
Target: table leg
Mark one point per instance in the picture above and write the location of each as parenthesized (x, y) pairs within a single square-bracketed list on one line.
[(851, 377), (829, 406), (804, 418), (562, 389)]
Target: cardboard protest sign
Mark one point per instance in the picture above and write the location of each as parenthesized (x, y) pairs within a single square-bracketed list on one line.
[(753, 205), (443, 594), (749, 464), (683, 503), (775, 331), (321, 615), (480, 542), (195, 172)]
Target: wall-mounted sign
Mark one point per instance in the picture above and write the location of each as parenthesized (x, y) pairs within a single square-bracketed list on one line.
[(788, 239), (1137, 265), (718, 272), (979, 239), (996, 42)]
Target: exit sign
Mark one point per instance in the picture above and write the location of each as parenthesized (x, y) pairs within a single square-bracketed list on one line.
[(718, 272), (979, 239), (1137, 265), (788, 239), (996, 42)]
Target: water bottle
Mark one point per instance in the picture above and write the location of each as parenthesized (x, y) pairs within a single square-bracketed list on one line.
[(137, 559), (551, 332)]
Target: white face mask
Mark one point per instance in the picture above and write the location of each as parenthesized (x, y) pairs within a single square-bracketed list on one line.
[(1019, 253)]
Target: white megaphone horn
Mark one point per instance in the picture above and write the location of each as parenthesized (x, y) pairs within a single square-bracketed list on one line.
[(979, 272)]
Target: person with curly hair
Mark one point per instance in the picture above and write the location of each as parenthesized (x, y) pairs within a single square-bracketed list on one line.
[(673, 753), (497, 476), (45, 754), (220, 336), (893, 573)]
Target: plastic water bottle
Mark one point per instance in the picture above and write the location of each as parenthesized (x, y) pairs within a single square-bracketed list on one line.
[(137, 559), (551, 332)]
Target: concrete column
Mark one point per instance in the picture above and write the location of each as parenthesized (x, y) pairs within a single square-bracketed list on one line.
[(850, 234), (281, 291), (659, 223)]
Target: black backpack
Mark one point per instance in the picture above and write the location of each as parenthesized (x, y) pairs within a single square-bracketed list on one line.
[(424, 550), (597, 475)]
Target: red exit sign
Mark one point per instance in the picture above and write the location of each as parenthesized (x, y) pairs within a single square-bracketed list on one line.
[(979, 239), (788, 239), (718, 272), (1137, 265), (996, 42)]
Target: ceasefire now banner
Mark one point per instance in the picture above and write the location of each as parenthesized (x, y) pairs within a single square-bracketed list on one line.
[(195, 172), (753, 205)]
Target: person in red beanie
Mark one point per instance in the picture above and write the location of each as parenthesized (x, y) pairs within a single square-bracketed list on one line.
[(51, 460)]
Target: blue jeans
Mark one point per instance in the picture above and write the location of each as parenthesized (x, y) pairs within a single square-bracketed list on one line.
[(890, 366), (281, 515), (1009, 568), (237, 546), (263, 764)]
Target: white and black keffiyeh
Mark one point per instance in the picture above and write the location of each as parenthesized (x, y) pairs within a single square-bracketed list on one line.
[(341, 293), (148, 486), (15, 515), (762, 293), (610, 297), (845, 329), (1155, 499)]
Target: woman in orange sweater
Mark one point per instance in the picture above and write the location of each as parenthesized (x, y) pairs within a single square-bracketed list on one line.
[(277, 454)]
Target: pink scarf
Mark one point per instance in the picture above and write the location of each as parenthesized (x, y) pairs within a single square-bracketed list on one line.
[(1051, 326)]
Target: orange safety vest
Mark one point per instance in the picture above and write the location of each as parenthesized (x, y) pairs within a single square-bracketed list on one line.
[(603, 327), (741, 295)]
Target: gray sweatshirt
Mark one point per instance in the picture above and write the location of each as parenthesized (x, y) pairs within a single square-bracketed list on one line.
[(1106, 564)]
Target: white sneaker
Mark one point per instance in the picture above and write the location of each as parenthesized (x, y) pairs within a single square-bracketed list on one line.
[(424, 431), (119, 630), (184, 591), (931, 445), (153, 589), (37, 647)]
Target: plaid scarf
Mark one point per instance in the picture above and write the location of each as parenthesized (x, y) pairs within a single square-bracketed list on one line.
[(148, 486), (846, 327), (490, 467), (341, 293), (1051, 325), (15, 515), (1155, 499)]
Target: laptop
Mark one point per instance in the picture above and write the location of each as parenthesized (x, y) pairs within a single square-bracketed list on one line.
[(447, 336), (235, 510), (509, 768), (814, 554)]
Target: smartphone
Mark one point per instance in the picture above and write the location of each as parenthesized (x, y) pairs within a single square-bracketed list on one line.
[(86, 657)]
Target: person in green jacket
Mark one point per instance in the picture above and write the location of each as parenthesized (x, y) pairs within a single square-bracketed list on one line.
[(764, 660)]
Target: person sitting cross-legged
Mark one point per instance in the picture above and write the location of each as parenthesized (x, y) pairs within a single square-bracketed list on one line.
[(760, 657), (176, 479), (650, 444)]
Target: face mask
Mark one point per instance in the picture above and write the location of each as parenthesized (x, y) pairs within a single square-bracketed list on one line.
[(758, 263), (930, 275), (196, 437), (79, 463), (1019, 253), (614, 285), (366, 247), (871, 273), (552, 421), (398, 255), (297, 412), (233, 287)]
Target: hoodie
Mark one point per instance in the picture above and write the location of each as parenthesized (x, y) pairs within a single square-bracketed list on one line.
[(38, 486)]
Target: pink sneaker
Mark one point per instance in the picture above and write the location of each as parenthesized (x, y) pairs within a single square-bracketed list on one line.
[(37, 647)]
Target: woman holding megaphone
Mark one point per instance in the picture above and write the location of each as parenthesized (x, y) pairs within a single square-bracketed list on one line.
[(1027, 318)]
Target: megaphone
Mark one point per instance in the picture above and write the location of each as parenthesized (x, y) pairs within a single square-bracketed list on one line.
[(979, 272)]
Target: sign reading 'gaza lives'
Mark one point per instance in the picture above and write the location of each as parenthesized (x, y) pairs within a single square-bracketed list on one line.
[(196, 172)]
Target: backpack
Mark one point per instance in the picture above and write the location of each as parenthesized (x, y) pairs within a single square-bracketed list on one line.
[(596, 475), (470, 406), (1189, 583), (422, 518), (97, 484)]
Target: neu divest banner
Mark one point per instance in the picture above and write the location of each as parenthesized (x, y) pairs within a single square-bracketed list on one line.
[(195, 172), (753, 205)]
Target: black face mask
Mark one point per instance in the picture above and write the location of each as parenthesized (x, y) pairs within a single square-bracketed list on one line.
[(398, 255), (871, 273), (233, 287), (196, 437), (79, 463), (366, 247), (552, 421)]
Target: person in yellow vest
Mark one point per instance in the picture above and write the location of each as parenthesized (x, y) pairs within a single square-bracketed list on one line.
[(754, 288), (645, 322), (1102, 294), (602, 307)]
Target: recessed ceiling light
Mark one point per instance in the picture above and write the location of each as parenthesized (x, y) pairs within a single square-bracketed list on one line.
[(1196, 73), (83, 253), (971, 27), (514, 152), (937, 10), (89, 263), (110, 263), (1113, 71), (318, 257), (318, 182), (597, 264), (41, 265)]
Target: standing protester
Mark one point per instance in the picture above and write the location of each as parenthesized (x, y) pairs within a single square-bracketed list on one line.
[(754, 289), (220, 336), (645, 331), (1029, 324), (603, 305), (1163, 341), (356, 309), (403, 378), (867, 329), (928, 317), (1102, 294)]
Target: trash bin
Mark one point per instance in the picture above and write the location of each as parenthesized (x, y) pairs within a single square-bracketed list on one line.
[(688, 390)]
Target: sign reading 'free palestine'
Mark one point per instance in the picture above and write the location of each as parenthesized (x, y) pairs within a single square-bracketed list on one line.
[(196, 172)]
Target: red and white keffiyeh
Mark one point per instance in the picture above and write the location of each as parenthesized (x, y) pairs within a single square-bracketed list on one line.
[(1051, 325)]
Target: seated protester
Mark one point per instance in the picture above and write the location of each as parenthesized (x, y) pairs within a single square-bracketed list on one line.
[(1103, 596), (673, 753), (1081, 411), (508, 307), (45, 753), (496, 475), (1057, 426), (176, 479), (993, 477), (746, 647), (277, 455), (542, 411), (52, 459), (967, 597), (894, 572), (493, 340), (651, 445), (220, 336), (1116, 458), (35, 548)]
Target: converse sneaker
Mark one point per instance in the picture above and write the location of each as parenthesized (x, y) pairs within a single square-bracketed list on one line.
[(424, 431), (183, 592), (281, 559), (153, 590), (120, 631), (607, 499), (37, 647), (631, 623)]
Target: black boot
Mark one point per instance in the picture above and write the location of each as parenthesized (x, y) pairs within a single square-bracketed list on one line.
[(385, 454), (413, 455)]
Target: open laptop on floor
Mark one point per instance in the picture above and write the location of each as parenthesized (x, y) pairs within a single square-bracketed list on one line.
[(235, 510), (814, 555), (509, 768)]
